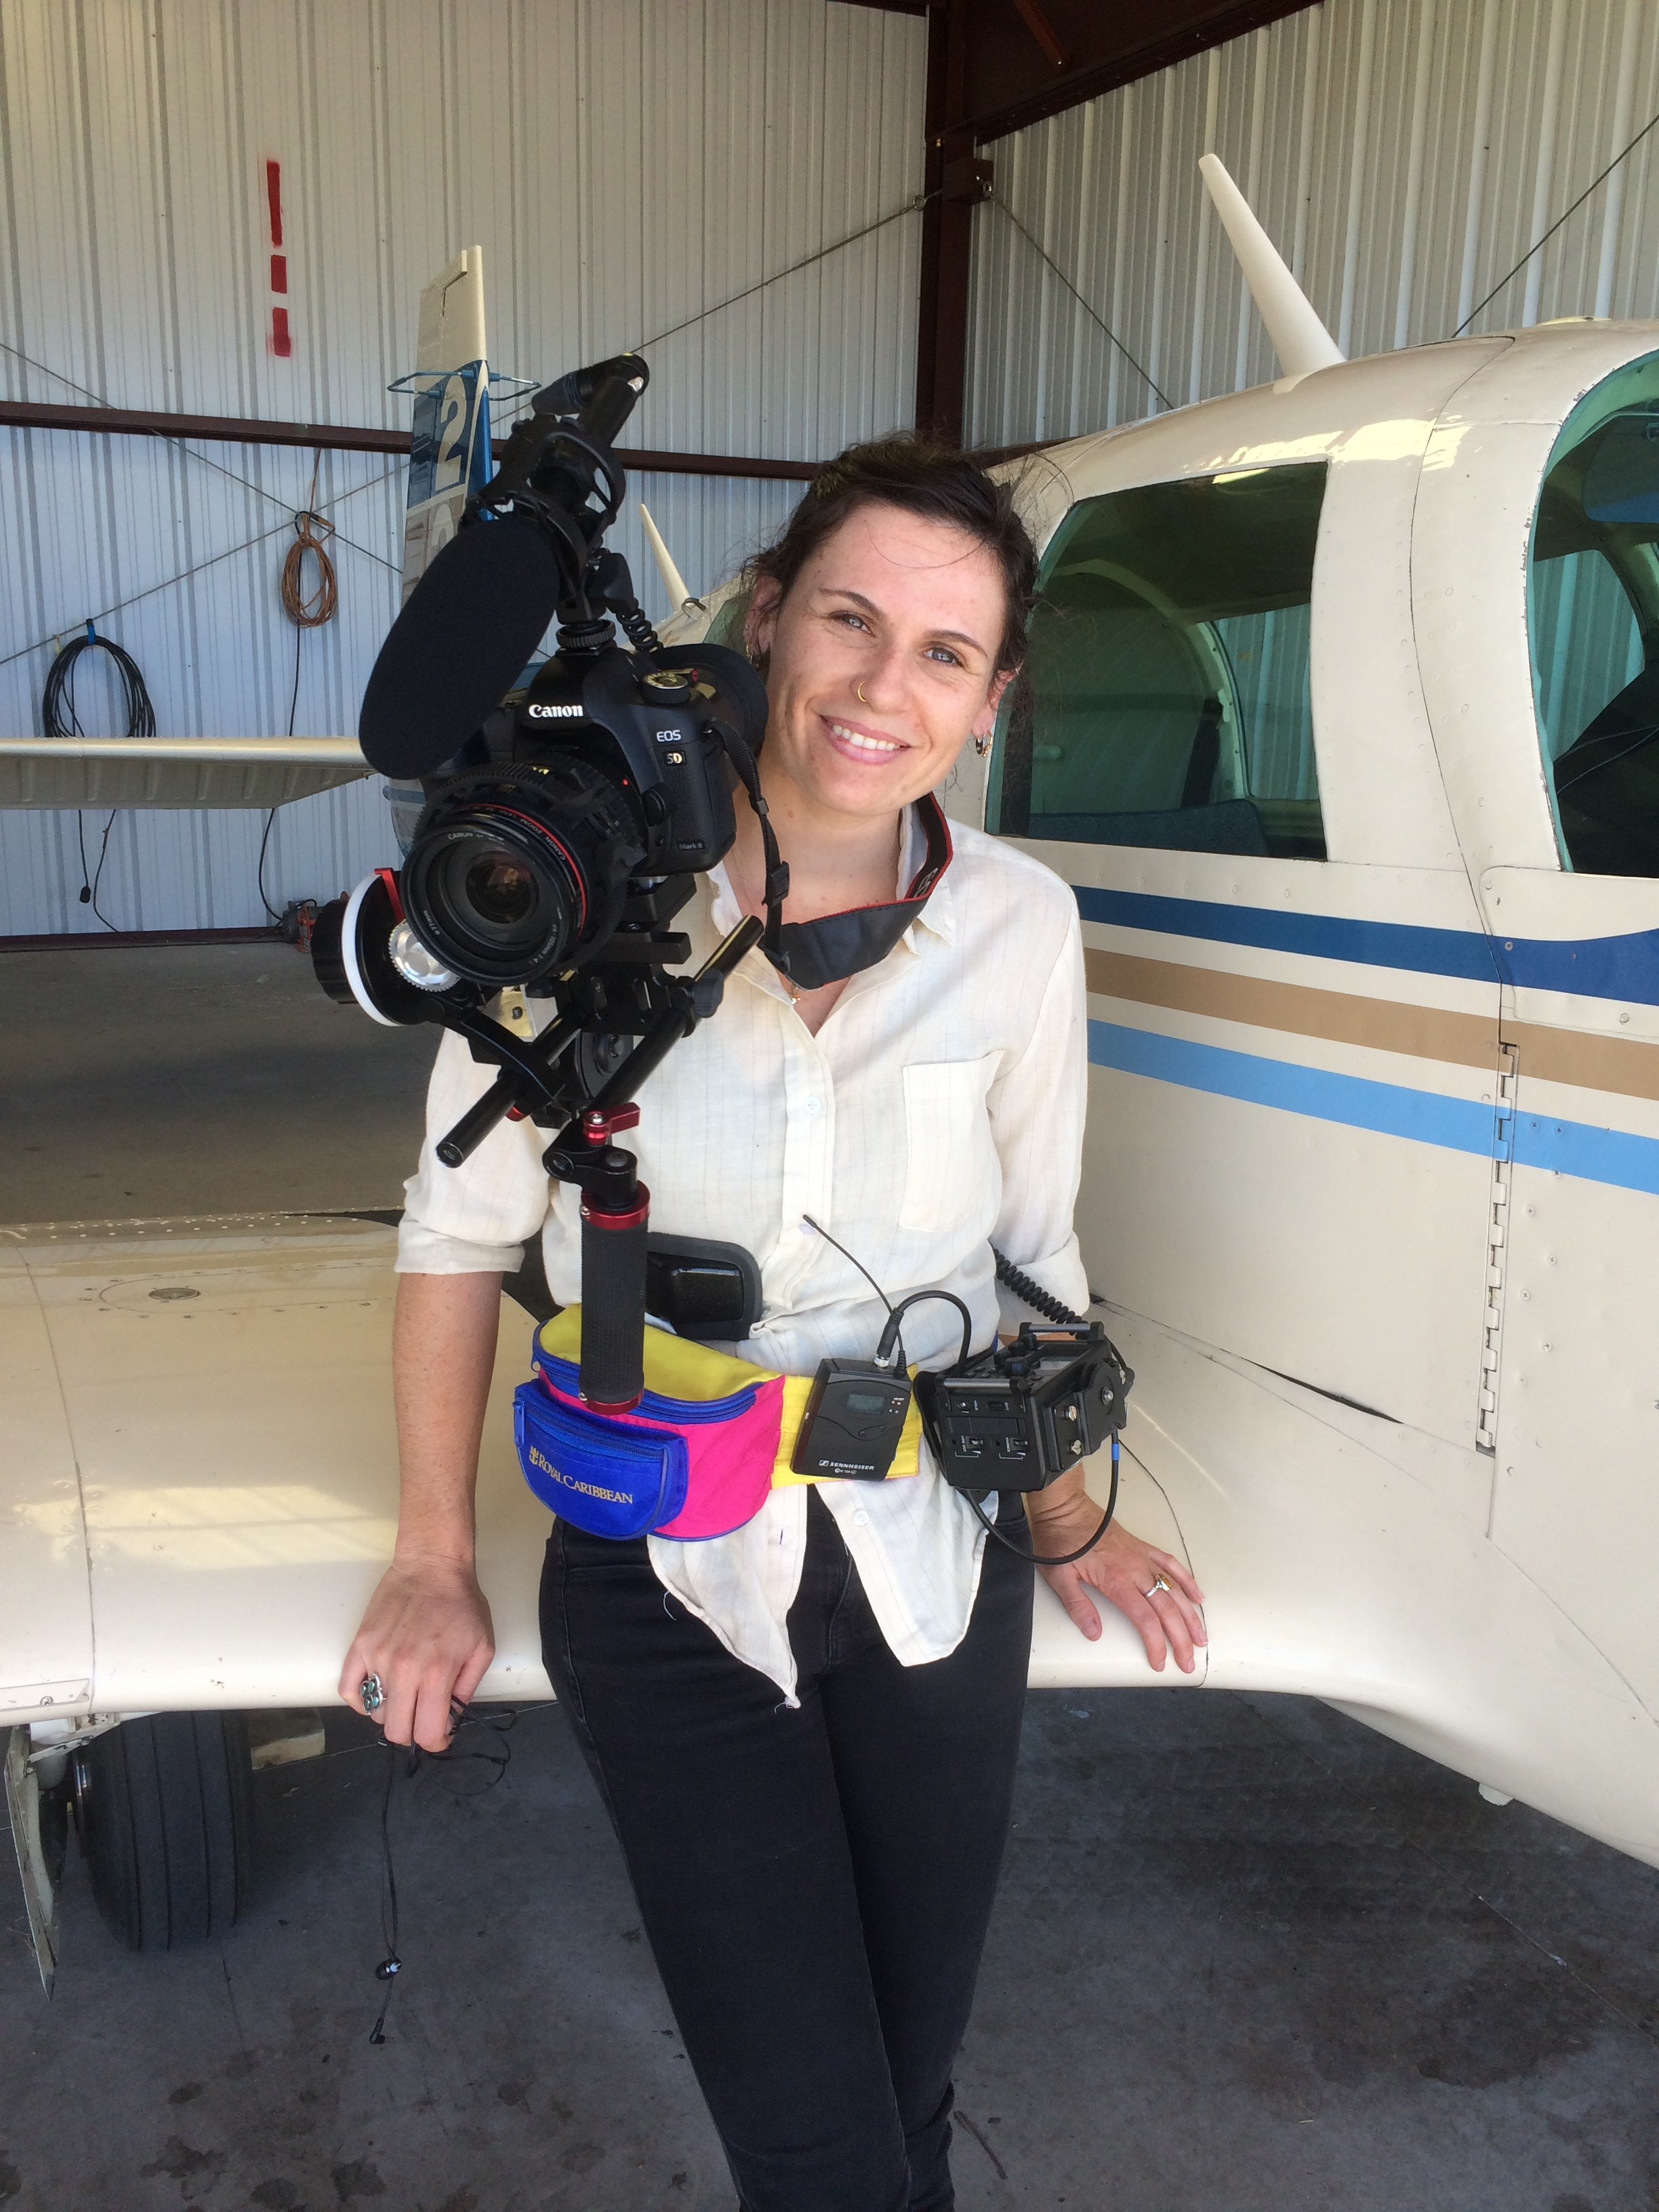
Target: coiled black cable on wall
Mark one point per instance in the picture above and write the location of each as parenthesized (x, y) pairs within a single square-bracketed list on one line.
[(59, 719)]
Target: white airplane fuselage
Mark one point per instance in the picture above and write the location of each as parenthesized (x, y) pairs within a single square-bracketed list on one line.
[(1372, 1181)]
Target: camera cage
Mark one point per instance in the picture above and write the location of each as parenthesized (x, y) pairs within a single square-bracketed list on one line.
[(629, 714)]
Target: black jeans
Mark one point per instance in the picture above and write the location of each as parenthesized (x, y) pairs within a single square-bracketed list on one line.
[(815, 1884)]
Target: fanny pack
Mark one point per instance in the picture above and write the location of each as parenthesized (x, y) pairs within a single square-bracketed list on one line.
[(699, 1455)]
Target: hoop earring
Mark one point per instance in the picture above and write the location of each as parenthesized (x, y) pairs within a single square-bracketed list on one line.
[(982, 744)]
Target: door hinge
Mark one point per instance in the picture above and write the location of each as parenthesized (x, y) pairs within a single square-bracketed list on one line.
[(1498, 1230)]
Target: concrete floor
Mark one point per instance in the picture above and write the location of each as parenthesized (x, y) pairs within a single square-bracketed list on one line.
[(1249, 1957), (157, 1079)]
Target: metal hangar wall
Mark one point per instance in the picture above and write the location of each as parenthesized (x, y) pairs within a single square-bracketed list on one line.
[(1403, 154), (625, 165)]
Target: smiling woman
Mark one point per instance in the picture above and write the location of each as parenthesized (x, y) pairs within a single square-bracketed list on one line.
[(894, 607), (804, 1729)]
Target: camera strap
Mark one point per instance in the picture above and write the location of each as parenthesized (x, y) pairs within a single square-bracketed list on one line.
[(836, 945)]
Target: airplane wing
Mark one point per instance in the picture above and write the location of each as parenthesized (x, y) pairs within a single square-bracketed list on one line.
[(260, 772), (207, 1491)]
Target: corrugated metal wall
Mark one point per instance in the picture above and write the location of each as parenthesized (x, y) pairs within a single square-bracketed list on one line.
[(1403, 154), (625, 164)]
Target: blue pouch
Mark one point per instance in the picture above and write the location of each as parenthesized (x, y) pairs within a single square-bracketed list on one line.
[(612, 1478)]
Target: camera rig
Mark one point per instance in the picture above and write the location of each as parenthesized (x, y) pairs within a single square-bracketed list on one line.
[(561, 835)]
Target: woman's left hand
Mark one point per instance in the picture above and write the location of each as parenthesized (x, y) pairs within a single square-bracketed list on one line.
[(1151, 1589)]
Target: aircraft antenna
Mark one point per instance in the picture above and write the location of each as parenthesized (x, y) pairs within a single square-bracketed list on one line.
[(1299, 338), (673, 583)]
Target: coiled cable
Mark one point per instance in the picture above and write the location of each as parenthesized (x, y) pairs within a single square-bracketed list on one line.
[(310, 611), (1033, 1293), (58, 719), (306, 611), (58, 714)]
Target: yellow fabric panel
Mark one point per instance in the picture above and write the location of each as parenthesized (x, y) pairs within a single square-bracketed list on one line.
[(796, 1389), (675, 1367)]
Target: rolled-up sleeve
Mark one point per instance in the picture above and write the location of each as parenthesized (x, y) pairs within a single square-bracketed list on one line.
[(472, 1219), (1038, 1108)]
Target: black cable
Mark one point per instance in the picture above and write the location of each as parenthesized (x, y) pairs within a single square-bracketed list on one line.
[(1033, 1292), (57, 714), (846, 1254), (891, 1344), (259, 873), (391, 1965), (293, 696), (90, 890), (1556, 226), (775, 891), (1063, 1559), (500, 1723), (58, 719)]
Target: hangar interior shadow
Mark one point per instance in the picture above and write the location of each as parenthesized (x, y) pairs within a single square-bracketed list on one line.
[(1248, 1954)]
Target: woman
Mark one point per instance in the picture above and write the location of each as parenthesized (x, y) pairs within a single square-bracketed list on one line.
[(805, 1732)]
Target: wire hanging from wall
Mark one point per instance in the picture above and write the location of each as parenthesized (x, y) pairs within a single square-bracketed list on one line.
[(1538, 244), (306, 611), (58, 719)]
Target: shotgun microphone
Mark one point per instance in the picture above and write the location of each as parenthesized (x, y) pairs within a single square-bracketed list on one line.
[(462, 641)]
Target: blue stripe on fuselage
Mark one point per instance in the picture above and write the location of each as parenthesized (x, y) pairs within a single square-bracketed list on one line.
[(1390, 1109), (1594, 968)]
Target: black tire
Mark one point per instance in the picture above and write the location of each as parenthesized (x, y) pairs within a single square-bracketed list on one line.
[(165, 1811)]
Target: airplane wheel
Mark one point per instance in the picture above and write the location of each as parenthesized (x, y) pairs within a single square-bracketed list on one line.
[(165, 1809)]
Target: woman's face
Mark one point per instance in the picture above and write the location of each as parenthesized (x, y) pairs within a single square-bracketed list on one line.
[(883, 660)]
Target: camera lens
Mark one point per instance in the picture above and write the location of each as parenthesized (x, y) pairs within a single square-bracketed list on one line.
[(497, 899), (515, 872), (500, 891)]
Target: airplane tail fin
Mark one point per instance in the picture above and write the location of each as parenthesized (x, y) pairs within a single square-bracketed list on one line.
[(1299, 338)]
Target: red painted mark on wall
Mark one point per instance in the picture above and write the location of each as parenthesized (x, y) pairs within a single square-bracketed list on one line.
[(282, 342)]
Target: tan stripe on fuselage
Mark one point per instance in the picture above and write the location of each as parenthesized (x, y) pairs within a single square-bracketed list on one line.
[(1627, 1066), (1338, 1017)]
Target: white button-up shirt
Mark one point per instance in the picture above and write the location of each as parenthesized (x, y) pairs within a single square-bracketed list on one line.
[(937, 1111)]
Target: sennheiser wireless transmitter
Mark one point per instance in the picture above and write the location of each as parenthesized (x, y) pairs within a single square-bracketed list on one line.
[(854, 1416)]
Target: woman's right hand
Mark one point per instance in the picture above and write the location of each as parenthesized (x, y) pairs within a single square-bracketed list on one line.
[(427, 1635)]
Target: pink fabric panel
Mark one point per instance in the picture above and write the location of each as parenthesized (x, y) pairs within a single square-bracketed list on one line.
[(728, 1463), (729, 1476)]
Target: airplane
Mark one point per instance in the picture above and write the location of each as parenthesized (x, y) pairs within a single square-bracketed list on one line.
[(1340, 730)]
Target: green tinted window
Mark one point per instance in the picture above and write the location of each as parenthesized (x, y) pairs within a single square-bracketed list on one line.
[(1169, 672), (1593, 616)]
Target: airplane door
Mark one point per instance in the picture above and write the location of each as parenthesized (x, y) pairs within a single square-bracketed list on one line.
[(1293, 1081), (1575, 1502)]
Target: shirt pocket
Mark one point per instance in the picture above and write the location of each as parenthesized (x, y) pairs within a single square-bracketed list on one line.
[(951, 1163)]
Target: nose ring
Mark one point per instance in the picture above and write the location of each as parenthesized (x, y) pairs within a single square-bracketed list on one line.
[(858, 693)]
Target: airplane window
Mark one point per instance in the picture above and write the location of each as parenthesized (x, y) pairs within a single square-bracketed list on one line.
[(1168, 700), (1592, 614)]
